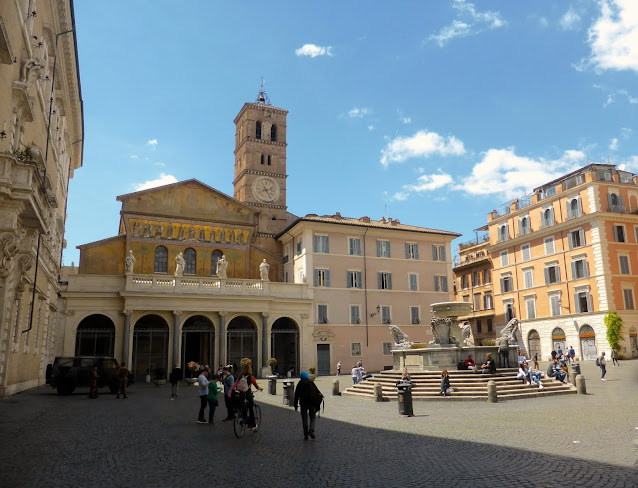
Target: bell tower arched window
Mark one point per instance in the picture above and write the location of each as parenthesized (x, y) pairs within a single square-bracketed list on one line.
[(190, 258), (161, 259), (258, 130), (273, 133)]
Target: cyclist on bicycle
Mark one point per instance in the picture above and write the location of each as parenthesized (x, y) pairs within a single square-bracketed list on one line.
[(243, 384)]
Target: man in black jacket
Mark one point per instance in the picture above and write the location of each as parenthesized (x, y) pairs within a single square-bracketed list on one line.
[(304, 394)]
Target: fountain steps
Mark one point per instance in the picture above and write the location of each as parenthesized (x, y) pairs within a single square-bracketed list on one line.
[(466, 385)]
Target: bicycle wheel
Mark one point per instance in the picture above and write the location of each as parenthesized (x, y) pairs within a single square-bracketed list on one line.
[(239, 425), (257, 412)]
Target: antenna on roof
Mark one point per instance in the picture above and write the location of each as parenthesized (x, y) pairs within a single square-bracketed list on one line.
[(608, 160)]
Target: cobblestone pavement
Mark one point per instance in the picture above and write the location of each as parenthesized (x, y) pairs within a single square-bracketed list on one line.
[(150, 440)]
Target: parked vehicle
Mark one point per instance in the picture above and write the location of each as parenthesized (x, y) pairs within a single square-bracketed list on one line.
[(68, 373)]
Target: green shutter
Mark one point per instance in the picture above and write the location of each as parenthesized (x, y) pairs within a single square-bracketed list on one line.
[(434, 253), (349, 279), (359, 282)]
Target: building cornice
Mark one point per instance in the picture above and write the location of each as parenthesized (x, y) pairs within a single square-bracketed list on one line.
[(259, 173)]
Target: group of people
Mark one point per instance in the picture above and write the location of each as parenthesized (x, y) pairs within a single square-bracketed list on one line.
[(358, 373), (121, 377)]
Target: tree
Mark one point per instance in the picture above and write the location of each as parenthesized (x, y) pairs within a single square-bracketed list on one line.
[(614, 326)]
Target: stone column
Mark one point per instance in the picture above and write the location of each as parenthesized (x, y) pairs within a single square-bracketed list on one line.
[(176, 334), (264, 339), (222, 338), (126, 338)]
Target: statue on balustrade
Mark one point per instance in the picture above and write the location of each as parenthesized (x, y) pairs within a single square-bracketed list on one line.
[(264, 267), (129, 262), (179, 264), (222, 264)]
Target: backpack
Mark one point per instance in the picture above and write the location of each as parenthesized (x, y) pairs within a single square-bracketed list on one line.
[(242, 384), (316, 398), (597, 361)]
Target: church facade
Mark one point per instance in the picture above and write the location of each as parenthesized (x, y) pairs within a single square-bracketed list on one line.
[(197, 275)]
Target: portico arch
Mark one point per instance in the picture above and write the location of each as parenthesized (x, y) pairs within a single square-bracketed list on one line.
[(242, 341), (150, 347), (198, 341), (284, 345), (95, 336), (534, 344), (558, 339)]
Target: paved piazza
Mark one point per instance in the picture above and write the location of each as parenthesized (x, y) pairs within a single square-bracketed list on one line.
[(149, 440)]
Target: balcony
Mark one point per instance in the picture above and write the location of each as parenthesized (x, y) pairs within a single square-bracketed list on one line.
[(618, 209), (547, 223), (474, 242), (523, 231)]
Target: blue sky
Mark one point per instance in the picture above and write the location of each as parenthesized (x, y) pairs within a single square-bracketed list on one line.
[(434, 113)]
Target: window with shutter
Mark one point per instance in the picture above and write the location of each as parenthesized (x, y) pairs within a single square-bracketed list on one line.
[(628, 295), (624, 264), (443, 283), (355, 246), (526, 252), (549, 245), (435, 253), (355, 317), (322, 314), (531, 308), (436, 283), (441, 253), (529, 278), (414, 315), (385, 315), (413, 282), (554, 302), (505, 261)]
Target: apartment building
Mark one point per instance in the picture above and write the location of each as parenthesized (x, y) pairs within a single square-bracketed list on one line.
[(566, 256), (473, 283)]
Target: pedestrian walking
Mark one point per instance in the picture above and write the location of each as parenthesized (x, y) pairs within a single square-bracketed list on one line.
[(614, 357), (602, 362), (213, 391), (308, 395), (227, 381), (355, 374), (94, 379), (339, 368), (202, 381), (536, 360), (175, 377), (122, 380), (572, 354)]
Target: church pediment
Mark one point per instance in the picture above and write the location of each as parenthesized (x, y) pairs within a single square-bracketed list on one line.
[(190, 199)]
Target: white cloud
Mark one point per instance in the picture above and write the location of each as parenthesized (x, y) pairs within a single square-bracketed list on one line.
[(160, 164), (613, 38), (468, 22), (543, 22), (371, 127), (400, 196), (613, 145), (625, 133), (502, 171), (406, 120), (570, 20), (358, 113), (613, 95), (631, 164), (424, 183), (134, 156), (422, 144), (313, 50), (152, 142), (163, 179)]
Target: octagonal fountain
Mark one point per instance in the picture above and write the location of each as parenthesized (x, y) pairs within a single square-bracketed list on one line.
[(451, 343)]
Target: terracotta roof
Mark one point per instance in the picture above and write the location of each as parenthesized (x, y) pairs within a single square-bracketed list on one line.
[(389, 224)]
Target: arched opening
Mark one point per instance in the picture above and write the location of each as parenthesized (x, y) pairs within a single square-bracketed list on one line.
[(534, 344), (547, 217), (633, 342), (161, 259), (273, 133), (215, 256), (95, 336), (150, 347), (190, 261), (524, 225), (242, 341), (284, 345), (558, 339), (198, 341), (258, 130), (587, 342), (502, 233)]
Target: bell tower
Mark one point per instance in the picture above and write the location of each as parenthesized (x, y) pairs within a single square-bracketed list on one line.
[(260, 161)]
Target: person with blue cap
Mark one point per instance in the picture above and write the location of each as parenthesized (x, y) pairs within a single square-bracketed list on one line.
[(307, 394)]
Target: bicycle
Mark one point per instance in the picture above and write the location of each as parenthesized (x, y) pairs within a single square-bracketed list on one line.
[(240, 419)]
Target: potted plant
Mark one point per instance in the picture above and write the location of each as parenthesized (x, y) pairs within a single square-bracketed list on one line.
[(312, 373), (160, 376), (272, 362)]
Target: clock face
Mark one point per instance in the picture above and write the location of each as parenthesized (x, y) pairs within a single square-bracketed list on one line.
[(266, 189)]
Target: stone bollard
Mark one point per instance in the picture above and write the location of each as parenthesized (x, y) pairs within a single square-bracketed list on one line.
[(492, 397), (335, 388), (378, 392), (581, 387)]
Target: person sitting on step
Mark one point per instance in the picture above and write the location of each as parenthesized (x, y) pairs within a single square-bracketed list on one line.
[(489, 367), (445, 382)]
